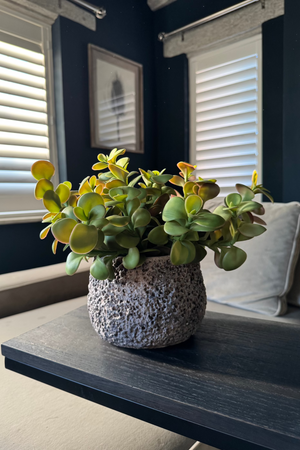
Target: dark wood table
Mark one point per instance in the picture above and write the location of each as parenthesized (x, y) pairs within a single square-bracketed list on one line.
[(234, 385)]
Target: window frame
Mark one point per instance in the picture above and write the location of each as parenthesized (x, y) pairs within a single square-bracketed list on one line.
[(207, 57), (18, 216)]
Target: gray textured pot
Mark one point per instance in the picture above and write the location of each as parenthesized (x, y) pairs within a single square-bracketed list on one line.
[(153, 306)]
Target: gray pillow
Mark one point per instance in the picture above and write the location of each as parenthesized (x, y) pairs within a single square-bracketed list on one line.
[(261, 284)]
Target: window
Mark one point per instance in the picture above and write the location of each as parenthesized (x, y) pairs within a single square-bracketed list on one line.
[(26, 113), (225, 113)]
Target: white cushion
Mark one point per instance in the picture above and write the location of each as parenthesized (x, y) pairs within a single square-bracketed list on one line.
[(294, 294), (261, 284)]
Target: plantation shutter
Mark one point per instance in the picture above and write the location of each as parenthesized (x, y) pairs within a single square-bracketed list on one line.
[(24, 114), (225, 90)]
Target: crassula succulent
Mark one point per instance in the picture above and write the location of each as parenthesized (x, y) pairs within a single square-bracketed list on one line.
[(136, 215)]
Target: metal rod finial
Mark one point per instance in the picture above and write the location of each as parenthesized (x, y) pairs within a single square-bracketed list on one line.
[(161, 37), (100, 13)]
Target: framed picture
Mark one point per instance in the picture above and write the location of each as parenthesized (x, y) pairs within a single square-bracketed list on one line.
[(116, 101)]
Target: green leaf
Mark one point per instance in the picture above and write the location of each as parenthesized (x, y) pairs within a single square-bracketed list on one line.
[(193, 202), (52, 201), (132, 205), (208, 191), (42, 186), (174, 210), (79, 213), (127, 239), (174, 229), (191, 251), (158, 236), (233, 200), (69, 212), (140, 218), (83, 238), (99, 270), (251, 229), (63, 192), (88, 201), (223, 212), (191, 236), (96, 216), (99, 166), (44, 232), (131, 192), (131, 260), (73, 262), (233, 258), (200, 253), (118, 172), (62, 229), (111, 230), (162, 179), (179, 253), (42, 169), (54, 246), (248, 206), (207, 221), (246, 193), (159, 204), (118, 221)]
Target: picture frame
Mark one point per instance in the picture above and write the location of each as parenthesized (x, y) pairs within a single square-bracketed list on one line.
[(116, 101)]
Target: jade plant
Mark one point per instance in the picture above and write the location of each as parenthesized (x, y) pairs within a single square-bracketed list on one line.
[(135, 215)]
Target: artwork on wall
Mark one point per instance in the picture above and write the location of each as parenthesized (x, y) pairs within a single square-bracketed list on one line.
[(116, 101)]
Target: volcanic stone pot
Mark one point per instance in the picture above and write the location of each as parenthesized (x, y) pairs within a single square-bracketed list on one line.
[(153, 306)]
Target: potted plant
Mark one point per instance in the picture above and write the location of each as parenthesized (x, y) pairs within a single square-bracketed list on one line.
[(146, 240)]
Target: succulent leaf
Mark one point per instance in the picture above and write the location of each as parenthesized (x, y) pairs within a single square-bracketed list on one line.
[(207, 221), (63, 192), (158, 236), (42, 186), (246, 193), (118, 172), (233, 258), (233, 200), (131, 260), (118, 221), (193, 202), (83, 238), (52, 201), (42, 169), (79, 213), (208, 191), (62, 229), (140, 218), (174, 210), (179, 253), (73, 262), (99, 270), (127, 239), (174, 229), (44, 232), (251, 229), (89, 201)]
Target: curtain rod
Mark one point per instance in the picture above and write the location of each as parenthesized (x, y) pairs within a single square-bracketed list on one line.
[(163, 36), (99, 12)]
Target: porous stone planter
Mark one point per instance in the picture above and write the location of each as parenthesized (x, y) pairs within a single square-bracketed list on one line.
[(153, 306)]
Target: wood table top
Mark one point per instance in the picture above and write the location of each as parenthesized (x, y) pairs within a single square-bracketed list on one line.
[(234, 385)]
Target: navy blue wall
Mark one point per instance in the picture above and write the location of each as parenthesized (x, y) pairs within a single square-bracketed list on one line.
[(128, 31)]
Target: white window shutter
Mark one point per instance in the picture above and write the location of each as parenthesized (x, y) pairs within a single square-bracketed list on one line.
[(24, 115), (225, 113)]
